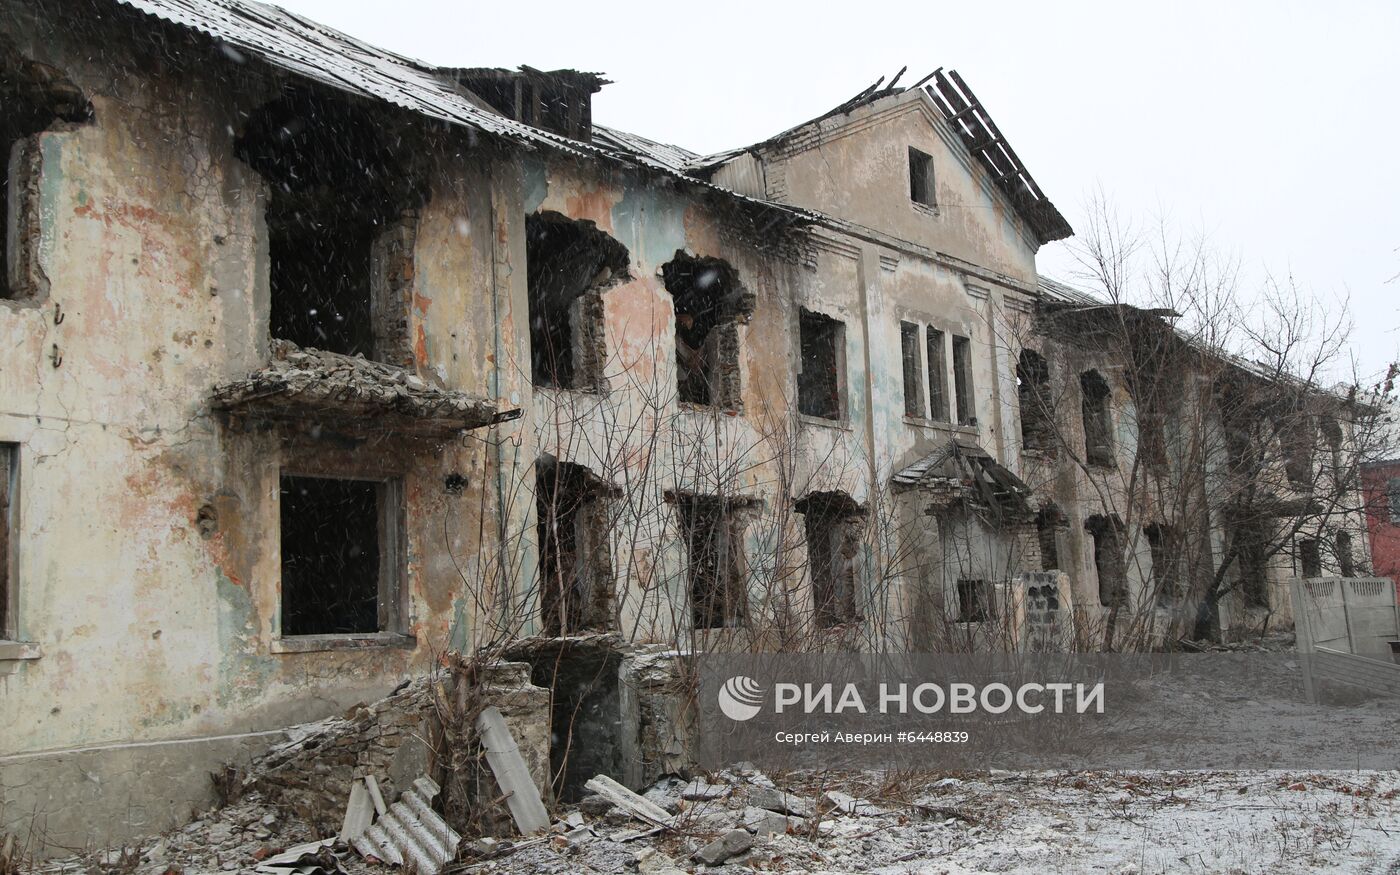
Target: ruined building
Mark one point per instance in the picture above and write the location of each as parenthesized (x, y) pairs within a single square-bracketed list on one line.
[(316, 362)]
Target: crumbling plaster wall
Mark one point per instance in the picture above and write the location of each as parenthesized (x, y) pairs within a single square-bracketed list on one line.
[(150, 626), (973, 221)]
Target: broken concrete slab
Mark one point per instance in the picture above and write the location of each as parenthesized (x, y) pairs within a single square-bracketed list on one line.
[(851, 805), (783, 803), (763, 822), (703, 791), (731, 844), (630, 802)]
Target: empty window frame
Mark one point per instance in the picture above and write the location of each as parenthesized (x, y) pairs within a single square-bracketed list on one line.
[(9, 517), (1109, 563), (569, 265), (912, 359), (1097, 419), (340, 224), (575, 568), (1033, 393), (1250, 544), (962, 380), (921, 182), (1298, 442), (1392, 493), (33, 97), (833, 524), (1309, 557), (937, 375), (820, 377), (974, 601), (710, 303), (1332, 432), (1346, 563), (712, 530), (340, 555), (1048, 523), (1164, 544)]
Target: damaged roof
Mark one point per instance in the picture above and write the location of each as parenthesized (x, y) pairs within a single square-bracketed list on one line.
[(961, 468), (312, 50), (298, 45), (297, 382)]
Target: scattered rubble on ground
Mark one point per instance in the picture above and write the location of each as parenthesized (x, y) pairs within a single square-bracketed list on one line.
[(1007, 822), (341, 796)]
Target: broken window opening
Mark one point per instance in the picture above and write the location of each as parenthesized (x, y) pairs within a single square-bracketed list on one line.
[(340, 219), (710, 304), (833, 524), (34, 98), (556, 100), (1310, 557), (921, 182), (1109, 561), (937, 376), (1033, 393), (582, 675), (713, 532), (1048, 523), (974, 601), (1297, 438), (912, 357), (576, 581), (1152, 442), (820, 378), (1392, 497), (1345, 561), (1332, 431), (962, 380), (1164, 544), (1250, 546), (9, 516), (569, 264), (339, 555), (1097, 419)]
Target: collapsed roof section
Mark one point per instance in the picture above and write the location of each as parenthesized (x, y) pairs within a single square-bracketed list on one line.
[(320, 54), (1079, 315), (962, 471), (560, 101), (302, 383)]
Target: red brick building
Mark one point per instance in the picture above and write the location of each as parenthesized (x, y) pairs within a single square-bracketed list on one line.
[(1381, 483)]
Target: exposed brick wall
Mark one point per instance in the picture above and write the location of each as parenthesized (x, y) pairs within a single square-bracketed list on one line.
[(1384, 534)]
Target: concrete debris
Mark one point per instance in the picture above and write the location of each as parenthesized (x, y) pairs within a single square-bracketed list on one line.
[(701, 790), (783, 803), (731, 844), (763, 822), (851, 805), (630, 802), (1053, 822)]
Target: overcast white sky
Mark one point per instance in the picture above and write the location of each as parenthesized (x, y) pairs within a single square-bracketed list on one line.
[(1271, 127)]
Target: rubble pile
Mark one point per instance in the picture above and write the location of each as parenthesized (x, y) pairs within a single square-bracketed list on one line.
[(311, 774)]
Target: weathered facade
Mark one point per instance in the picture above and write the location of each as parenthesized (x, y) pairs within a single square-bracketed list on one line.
[(316, 362)]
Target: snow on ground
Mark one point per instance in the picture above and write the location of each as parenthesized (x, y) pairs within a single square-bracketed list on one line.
[(1120, 822)]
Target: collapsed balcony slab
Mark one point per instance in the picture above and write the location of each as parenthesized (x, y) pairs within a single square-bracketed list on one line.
[(303, 383)]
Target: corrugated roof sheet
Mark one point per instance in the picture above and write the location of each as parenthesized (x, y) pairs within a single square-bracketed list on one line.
[(674, 158), (317, 52)]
